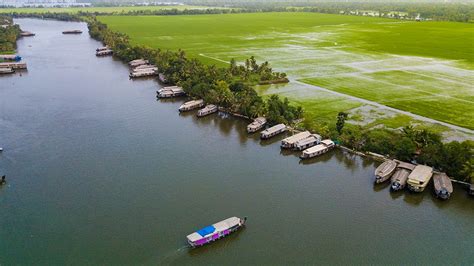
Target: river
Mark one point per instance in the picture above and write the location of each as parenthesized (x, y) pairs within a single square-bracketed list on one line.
[(100, 172)]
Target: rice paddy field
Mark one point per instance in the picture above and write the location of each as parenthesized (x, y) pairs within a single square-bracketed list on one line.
[(334, 61)]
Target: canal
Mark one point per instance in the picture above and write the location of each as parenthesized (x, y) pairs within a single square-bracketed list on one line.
[(100, 172)]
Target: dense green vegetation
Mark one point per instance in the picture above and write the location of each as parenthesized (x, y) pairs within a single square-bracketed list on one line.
[(9, 33), (229, 87)]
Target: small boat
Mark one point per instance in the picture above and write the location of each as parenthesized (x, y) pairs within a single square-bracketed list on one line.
[(384, 171), (139, 74), (26, 34), (289, 142), (191, 105), (443, 186), (273, 131), (171, 91), (1, 149), (138, 62), (146, 66), (72, 32), (215, 231), (3, 179), (104, 52), (399, 179), (102, 49), (317, 150), (209, 109), (257, 124), (6, 70)]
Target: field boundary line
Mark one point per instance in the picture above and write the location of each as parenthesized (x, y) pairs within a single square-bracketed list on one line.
[(214, 58)]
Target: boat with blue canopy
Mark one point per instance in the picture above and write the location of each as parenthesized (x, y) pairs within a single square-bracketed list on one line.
[(215, 231)]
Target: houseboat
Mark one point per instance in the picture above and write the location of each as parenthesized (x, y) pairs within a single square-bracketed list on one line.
[(137, 62), (400, 177), (216, 231), (443, 187), (384, 171), (104, 52), (257, 124), (209, 109), (10, 57), (146, 66), (72, 32), (102, 49), (139, 74), (313, 139), (419, 178), (6, 70), (14, 65), (171, 91), (317, 150), (289, 143), (273, 131), (191, 105)]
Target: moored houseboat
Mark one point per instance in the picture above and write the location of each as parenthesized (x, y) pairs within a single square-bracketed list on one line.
[(6, 70), (313, 139), (171, 91), (400, 177), (207, 110), (273, 131), (139, 74), (215, 231), (443, 186), (102, 49), (72, 32), (26, 34), (289, 142), (317, 150), (191, 105), (104, 52), (138, 62), (146, 66), (384, 171), (10, 57), (419, 178), (14, 65), (257, 124)]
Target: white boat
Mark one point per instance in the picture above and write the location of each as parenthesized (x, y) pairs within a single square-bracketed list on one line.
[(215, 231), (209, 109), (419, 178), (313, 139), (257, 124), (171, 91), (384, 171), (289, 142), (273, 131), (317, 150), (191, 105)]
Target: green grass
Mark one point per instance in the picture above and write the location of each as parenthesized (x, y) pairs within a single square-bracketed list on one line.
[(426, 68), (115, 9)]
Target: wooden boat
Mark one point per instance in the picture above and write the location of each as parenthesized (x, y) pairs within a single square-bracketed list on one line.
[(209, 109), (171, 91), (273, 131), (72, 32), (102, 49), (215, 231), (138, 62), (399, 179), (289, 142), (6, 70), (384, 171), (312, 140), (419, 178), (325, 146), (257, 124), (443, 186), (14, 65), (191, 105), (139, 74)]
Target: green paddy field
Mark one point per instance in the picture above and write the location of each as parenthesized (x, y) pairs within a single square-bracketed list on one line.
[(426, 68)]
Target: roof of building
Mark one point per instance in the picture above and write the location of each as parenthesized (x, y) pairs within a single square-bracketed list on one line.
[(421, 173)]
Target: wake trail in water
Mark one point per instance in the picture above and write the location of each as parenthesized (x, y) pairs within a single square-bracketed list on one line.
[(171, 256)]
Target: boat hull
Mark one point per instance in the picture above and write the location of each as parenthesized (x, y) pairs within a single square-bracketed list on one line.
[(215, 236)]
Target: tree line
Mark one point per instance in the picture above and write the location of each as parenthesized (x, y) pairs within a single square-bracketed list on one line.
[(9, 33)]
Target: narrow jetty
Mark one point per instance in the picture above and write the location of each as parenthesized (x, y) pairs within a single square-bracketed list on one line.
[(209, 109), (400, 177), (10, 57), (104, 52), (142, 73), (169, 92), (6, 70), (312, 140), (419, 178), (26, 34), (317, 150), (216, 231), (384, 171), (273, 131), (14, 65), (443, 187), (191, 105), (289, 142), (138, 62), (257, 124), (72, 32)]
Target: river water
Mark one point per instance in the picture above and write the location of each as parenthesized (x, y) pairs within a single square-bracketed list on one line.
[(99, 172)]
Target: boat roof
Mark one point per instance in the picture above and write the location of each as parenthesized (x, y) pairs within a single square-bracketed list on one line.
[(316, 148), (421, 173), (274, 128), (405, 165), (441, 180), (219, 227), (309, 139), (193, 102), (327, 142), (296, 137)]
